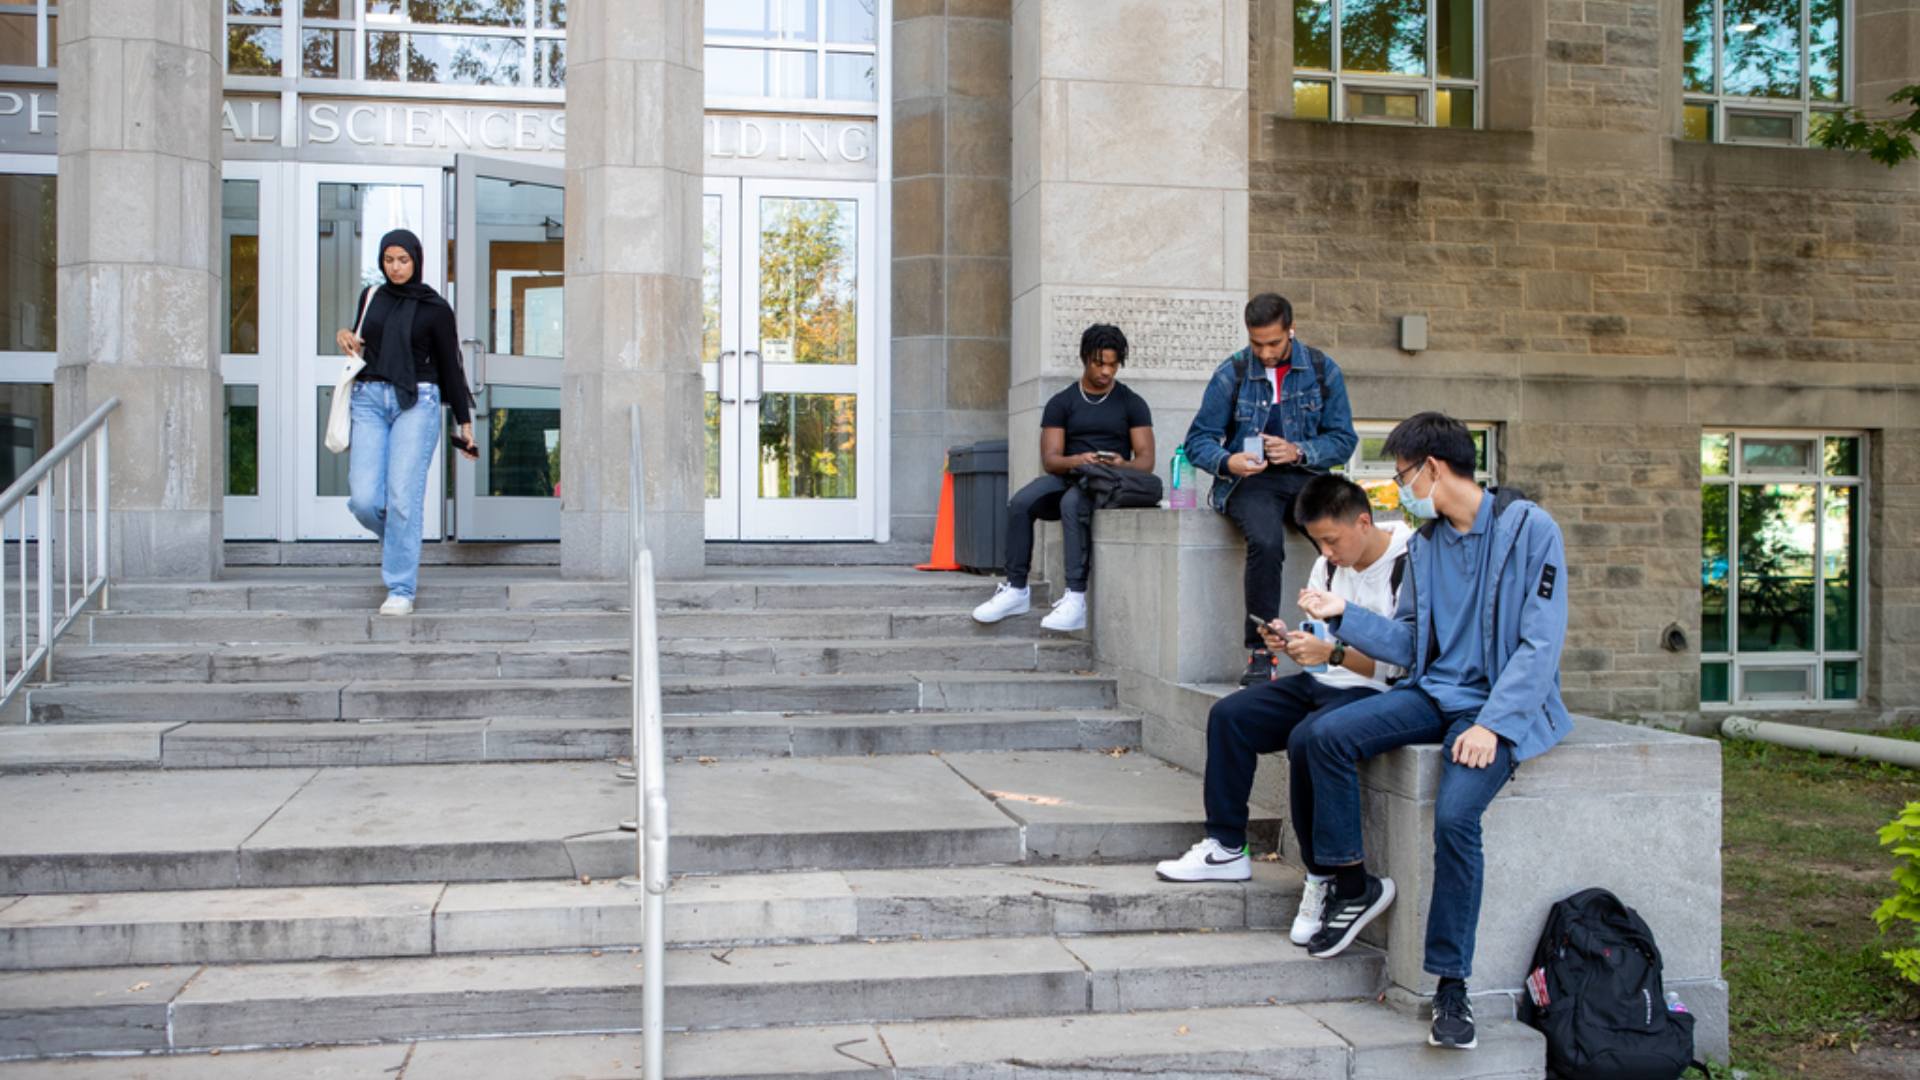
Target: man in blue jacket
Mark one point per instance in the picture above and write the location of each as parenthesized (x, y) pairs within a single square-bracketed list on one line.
[(1479, 624), (1293, 400)]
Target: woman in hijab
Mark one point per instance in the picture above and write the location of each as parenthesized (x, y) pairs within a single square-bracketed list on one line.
[(413, 364)]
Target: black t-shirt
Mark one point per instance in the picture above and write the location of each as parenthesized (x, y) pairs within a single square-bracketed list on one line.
[(1097, 423)]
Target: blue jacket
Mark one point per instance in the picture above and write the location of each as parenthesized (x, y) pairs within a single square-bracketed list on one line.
[(1523, 625), (1236, 404)]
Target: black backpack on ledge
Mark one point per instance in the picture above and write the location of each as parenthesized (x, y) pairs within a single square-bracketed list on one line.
[(1594, 990)]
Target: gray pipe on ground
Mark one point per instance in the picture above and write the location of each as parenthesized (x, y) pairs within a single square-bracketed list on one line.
[(1841, 743)]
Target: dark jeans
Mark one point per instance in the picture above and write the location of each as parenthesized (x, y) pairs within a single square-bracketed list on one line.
[(1263, 719), (1262, 505), (1050, 498), (1332, 754)]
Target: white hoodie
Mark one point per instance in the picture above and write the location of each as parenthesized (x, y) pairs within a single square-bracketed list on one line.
[(1372, 589)]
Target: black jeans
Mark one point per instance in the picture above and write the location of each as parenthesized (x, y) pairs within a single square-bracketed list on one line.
[(1050, 498), (1263, 719), (1262, 505)]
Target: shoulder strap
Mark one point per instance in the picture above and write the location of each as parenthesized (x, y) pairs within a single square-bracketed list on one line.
[(1399, 573), (1329, 585), (1239, 362), (1319, 363), (366, 301)]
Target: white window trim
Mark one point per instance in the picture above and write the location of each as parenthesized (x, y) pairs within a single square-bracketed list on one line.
[(818, 104), (1426, 87), (355, 25), (1364, 472)]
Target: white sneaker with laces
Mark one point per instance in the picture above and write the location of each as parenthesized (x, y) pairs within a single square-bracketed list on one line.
[(1007, 602), (1313, 911), (1207, 861), (397, 605), (1069, 613)]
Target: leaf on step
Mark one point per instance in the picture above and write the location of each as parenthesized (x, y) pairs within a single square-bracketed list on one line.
[(1037, 800), (138, 986), (1181, 1030)]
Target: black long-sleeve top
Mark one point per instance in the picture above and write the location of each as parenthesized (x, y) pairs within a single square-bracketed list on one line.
[(436, 352)]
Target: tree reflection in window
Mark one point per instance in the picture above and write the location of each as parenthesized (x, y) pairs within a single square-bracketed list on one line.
[(1384, 37), (1776, 567), (807, 288), (1762, 48)]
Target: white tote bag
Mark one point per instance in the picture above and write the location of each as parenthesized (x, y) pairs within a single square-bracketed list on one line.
[(340, 414)]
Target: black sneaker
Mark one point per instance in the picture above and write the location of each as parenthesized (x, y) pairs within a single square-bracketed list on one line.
[(1259, 668), (1452, 1018), (1346, 918)]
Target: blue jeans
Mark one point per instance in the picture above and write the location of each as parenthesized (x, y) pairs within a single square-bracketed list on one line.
[(1342, 739), (387, 473), (1263, 719)]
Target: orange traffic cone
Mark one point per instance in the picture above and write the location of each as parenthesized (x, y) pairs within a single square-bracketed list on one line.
[(942, 556)]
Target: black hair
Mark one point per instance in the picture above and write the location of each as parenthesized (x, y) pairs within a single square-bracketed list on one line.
[(1268, 309), (1330, 497), (1100, 337), (1433, 435)]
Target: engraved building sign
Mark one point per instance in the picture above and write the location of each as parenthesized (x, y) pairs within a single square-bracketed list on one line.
[(1164, 334)]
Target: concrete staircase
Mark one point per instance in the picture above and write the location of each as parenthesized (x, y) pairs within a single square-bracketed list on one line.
[(257, 830)]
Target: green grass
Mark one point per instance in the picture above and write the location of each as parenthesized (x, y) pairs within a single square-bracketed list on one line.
[(1803, 871)]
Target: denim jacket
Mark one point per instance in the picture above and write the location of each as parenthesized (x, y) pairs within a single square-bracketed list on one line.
[(1234, 408)]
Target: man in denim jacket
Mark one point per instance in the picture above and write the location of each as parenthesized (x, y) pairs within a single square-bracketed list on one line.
[(1309, 432)]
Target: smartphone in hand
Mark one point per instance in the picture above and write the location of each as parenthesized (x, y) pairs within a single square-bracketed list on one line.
[(465, 446)]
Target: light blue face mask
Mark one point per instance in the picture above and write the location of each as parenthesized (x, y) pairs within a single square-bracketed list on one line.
[(1420, 508)]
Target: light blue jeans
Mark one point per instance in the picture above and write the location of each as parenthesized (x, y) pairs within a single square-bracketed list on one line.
[(387, 473)]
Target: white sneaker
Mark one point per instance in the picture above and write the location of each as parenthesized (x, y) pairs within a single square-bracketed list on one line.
[(1007, 602), (1207, 861), (397, 605), (1069, 613), (1313, 911)]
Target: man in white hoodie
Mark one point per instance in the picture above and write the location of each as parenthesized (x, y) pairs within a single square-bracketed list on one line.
[(1364, 564)]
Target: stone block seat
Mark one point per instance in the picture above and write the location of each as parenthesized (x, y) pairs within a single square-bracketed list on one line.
[(1633, 809)]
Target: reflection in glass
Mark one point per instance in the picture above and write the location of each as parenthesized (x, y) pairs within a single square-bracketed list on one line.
[(1713, 568), (468, 12), (807, 283), (353, 218), (240, 266), (1825, 60), (1760, 127), (1714, 454), (1699, 46), (1453, 107), (850, 77), (1453, 38), (1776, 683), (550, 14), (1384, 37), (320, 53), (550, 64), (765, 20), (26, 428), (710, 283), (1776, 455), (1776, 584), (449, 59), (522, 253), (850, 22), (761, 73), (1843, 455), (29, 257), (324, 9), (1762, 41), (519, 438), (243, 439), (261, 8), (1696, 122), (1313, 36), (1843, 680), (807, 446), (1713, 682), (1312, 100), (713, 446), (1840, 553), (330, 469), (20, 40), (1383, 106), (253, 50)]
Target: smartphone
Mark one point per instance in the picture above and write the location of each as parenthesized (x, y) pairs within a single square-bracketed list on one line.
[(1106, 455), (1254, 448), (466, 446), (1281, 629), (1317, 629)]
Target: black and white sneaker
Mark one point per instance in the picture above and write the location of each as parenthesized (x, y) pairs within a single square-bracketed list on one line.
[(1346, 918), (1259, 668), (1452, 1018)]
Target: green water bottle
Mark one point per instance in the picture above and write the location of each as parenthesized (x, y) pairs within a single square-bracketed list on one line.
[(1183, 496)]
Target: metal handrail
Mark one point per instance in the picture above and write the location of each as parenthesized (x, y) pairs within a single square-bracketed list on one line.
[(649, 759), (89, 442)]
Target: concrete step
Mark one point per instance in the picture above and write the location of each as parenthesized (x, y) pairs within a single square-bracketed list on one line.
[(409, 661), (227, 828), (466, 699), (1316, 1041), (178, 745), (331, 1002), (267, 925)]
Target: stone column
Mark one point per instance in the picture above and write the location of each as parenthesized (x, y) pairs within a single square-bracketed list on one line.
[(1130, 199), (139, 210), (952, 128), (635, 103)]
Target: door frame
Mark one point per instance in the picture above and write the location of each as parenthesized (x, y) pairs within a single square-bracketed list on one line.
[(266, 516)]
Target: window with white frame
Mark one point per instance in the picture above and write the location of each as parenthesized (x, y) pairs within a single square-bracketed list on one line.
[(778, 54), (1782, 567), (1371, 468), (1412, 62), (494, 43), (29, 34), (1769, 72), (29, 331)]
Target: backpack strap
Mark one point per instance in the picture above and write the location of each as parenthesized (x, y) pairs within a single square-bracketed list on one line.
[(1399, 574)]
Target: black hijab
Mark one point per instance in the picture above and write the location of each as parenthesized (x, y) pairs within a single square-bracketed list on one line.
[(394, 306)]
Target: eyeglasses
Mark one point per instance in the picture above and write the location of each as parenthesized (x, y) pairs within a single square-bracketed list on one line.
[(1398, 482)]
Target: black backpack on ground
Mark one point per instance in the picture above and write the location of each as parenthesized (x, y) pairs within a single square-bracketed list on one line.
[(1594, 990)]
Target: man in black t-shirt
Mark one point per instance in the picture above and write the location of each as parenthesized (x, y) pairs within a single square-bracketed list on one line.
[(1097, 419)]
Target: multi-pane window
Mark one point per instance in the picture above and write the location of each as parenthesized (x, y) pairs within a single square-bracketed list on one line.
[(28, 317), (497, 43), (1413, 62), (1372, 469), (779, 53), (30, 34), (1763, 71), (1782, 567)]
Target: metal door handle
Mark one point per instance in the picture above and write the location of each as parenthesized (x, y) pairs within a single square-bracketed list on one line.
[(479, 376), (723, 377), (759, 375)]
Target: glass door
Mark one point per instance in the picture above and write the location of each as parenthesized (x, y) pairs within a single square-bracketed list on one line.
[(344, 211), (789, 359), (510, 244), (251, 353)]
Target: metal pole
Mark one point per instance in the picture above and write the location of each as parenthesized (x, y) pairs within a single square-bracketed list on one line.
[(43, 546), (653, 829), (100, 520), (636, 484)]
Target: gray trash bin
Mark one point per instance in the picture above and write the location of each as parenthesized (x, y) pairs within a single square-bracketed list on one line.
[(979, 505)]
